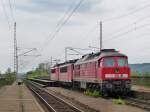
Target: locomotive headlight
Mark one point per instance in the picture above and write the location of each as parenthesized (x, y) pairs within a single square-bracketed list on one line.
[(109, 75), (124, 75)]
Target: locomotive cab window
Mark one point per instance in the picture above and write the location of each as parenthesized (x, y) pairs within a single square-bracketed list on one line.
[(63, 69), (53, 70), (122, 62), (109, 62)]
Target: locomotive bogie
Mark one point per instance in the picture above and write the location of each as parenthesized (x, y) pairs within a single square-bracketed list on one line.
[(116, 86)]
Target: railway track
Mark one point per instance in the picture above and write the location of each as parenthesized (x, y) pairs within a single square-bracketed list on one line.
[(138, 103), (52, 102), (129, 100)]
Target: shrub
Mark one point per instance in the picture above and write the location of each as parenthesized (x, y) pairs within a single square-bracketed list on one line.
[(119, 101), (88, 92), (96, 93)]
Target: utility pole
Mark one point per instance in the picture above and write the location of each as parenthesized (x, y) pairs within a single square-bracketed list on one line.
[(15, 52), (101, 39), (51, 63), (66, 53)]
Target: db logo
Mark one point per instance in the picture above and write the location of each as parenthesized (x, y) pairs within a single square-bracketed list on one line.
[(116, 70)]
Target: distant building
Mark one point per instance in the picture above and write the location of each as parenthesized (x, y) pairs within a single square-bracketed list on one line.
[(44, 66)]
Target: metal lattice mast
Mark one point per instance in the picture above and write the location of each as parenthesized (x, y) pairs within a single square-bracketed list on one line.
[(15, 52)]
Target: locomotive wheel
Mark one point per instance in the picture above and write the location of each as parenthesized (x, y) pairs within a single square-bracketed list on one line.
[(104, 94)]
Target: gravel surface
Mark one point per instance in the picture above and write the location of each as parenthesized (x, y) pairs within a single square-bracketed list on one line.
[(141, 88), (101, 104)]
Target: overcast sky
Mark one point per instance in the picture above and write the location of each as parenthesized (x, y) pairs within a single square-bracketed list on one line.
[(126, 25)]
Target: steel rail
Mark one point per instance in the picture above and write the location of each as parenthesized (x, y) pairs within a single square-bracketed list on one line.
[(138, 103), (53, 102)]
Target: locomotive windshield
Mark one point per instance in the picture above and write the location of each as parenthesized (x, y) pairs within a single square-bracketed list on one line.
[(122, 62), (115, 61), (109, 62)]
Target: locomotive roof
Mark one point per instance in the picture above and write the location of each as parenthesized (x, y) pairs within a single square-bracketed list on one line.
[(91, 57), (65, 63), (96, 56)]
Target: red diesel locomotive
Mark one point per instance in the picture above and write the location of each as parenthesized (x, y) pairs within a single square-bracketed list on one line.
[(107, 71)]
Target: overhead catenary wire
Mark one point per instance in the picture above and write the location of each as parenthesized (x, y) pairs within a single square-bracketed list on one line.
[(63, 23), (125, 33), (82, 38), (5, 13), (118, 17), (124, 15), (127, 14), (132, 24), (57, 31), (65, 14), (121, 16), (129, 29), (59, 28), (11, 10), (59, 25), (60, 21), (121, 29)]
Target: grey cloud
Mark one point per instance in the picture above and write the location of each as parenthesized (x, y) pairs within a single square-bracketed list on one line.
[(39, 6)]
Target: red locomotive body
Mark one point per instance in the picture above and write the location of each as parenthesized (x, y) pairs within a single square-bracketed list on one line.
[(118, 70), (107, 71), (55, 74), (66, 73)]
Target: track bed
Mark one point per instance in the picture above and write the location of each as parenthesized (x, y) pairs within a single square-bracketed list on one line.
[(52, 102)]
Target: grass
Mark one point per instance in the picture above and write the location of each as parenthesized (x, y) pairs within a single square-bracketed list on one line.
[(94, 93), (140, 75)]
